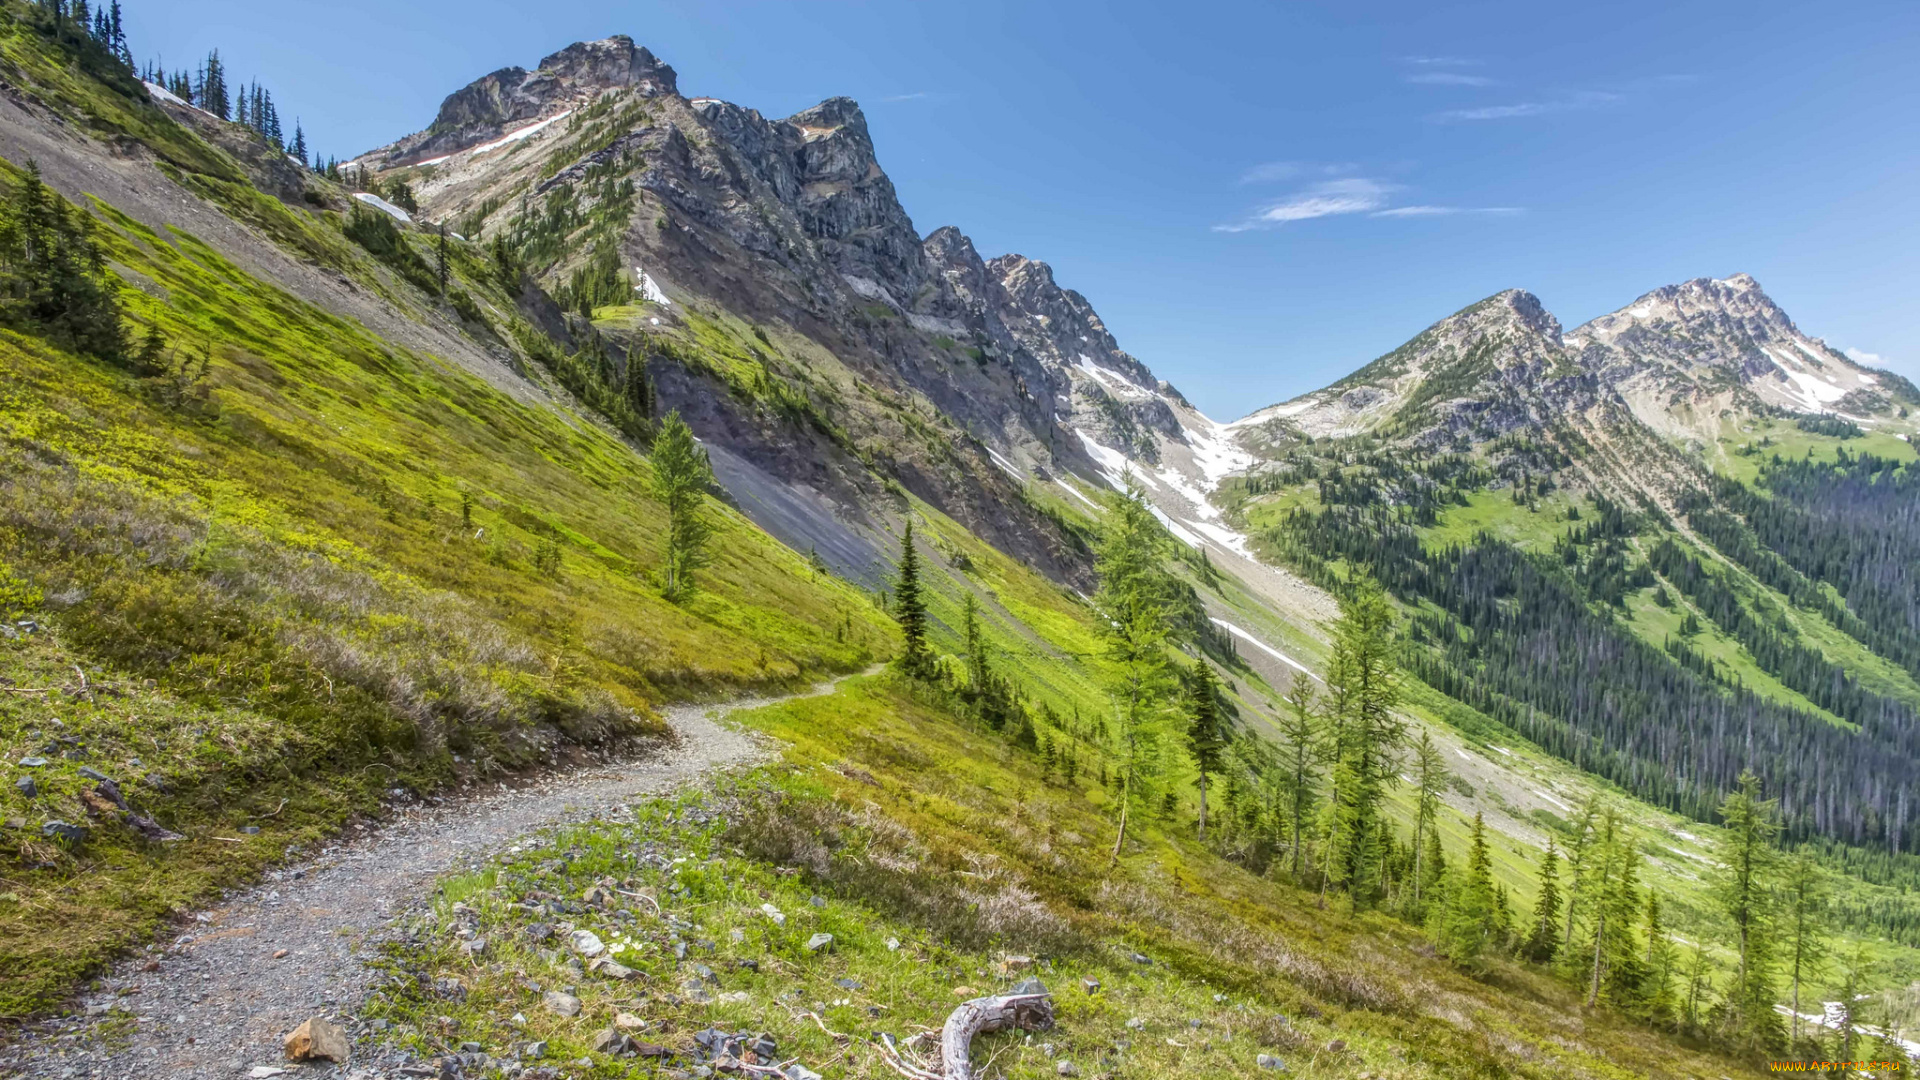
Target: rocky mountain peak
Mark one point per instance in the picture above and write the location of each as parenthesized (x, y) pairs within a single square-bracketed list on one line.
[(1733, 312), (1515, 307), (513, 96)]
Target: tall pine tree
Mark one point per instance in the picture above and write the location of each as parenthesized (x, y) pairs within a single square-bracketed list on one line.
[(910, 611), (681, 474), (1206, 737)]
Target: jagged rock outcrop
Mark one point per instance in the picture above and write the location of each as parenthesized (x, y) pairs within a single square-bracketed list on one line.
[(494, 104)]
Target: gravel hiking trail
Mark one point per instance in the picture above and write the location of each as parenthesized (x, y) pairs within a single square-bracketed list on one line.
[(216, 1002)]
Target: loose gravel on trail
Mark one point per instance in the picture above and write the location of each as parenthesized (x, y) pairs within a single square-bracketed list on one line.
[(218, 1003)]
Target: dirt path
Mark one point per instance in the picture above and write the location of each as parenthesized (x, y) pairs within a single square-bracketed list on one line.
[(218, 1003)]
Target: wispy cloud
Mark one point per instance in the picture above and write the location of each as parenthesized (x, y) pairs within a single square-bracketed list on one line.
[(1442, 61), (1274, 171), (1442, 211), (1449, 78), (917, 95), (1862, 356), (1351, 195), (1585, 99)]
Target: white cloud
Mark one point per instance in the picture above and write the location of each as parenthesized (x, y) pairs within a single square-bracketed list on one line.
[(1442, 61), (1353, 195), (1862, 356), (1586, 99), (1442, 211), (1449, 78), (1271, 171), (915, 96)]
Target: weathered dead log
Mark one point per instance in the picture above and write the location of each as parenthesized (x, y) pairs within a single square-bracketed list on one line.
[(1030, 1010)]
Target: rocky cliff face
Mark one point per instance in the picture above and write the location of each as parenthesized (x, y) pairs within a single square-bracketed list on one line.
[(792, 225)]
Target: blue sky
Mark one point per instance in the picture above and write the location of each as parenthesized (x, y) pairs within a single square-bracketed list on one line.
[(1260, 197)]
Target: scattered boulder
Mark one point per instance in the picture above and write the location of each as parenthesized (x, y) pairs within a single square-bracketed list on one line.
[(26, 787), (562, 1003), (1268, 1061), (1091, 986), (1065, 1068), (626, 1021), (586, 943), (819, 942), (1336, 1046), (317, 1039), (612, 1041), (611, 969), (61, 830), (773, 913)]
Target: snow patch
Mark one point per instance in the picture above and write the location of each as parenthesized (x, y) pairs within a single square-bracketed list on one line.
[(649, 289), (1006, 466), (1178, 530), (434, 160), (1075, 492), (1108, 377), (1215, 453), (1263, 646), (1563, 806), (379, 203), (1225, 537), (511, 137), (1464, 754)]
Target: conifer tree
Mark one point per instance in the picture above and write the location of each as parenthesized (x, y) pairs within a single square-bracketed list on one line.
[(1543, 941), (1304, 750), (1206, 740), (1577, 863), (910, 611), (1467, 918), (211, 94), (1803, 897), (1363, 691), (1659, 965), (681, 475), (299, 147), (440, 259), (1430, 775), (1135, 601), (53, 275), (1748, 868)]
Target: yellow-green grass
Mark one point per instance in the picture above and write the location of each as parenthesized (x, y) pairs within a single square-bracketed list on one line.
[(289, 563), (913, 828)]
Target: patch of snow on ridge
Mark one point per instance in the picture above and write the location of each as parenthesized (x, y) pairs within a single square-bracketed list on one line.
[(1075, 492), (1215, 453), (164, 94), (379, 203), (1225, 537), (649, 289), (1114, 465), (1006, 466), (1262, 646), (515, 136), (1109, 377), (1180, 532)]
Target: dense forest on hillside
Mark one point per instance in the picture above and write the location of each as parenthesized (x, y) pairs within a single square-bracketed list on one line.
[(1533, 641)]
